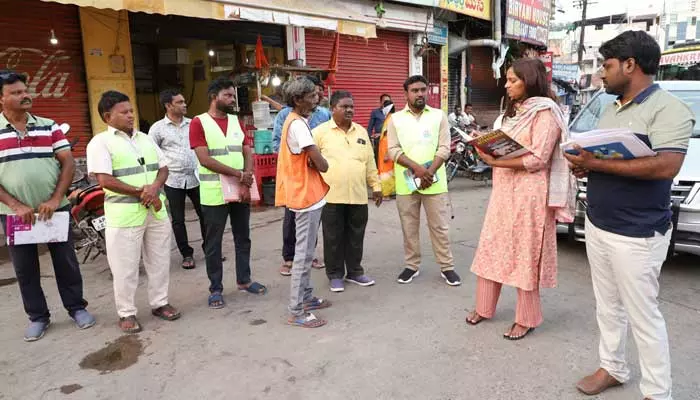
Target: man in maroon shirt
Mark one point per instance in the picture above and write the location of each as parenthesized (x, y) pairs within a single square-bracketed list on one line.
[(222, 101)]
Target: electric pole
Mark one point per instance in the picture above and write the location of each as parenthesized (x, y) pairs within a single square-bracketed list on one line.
[(583, 5)]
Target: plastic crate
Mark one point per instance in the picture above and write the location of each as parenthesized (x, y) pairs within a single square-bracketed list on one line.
[(264, 166)]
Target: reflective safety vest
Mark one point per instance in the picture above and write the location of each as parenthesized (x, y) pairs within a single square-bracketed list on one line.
[(135, 164), (224, 148), (419, 141)]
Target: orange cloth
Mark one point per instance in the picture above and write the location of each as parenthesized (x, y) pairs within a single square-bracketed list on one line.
[(385, 165), (298, 185)]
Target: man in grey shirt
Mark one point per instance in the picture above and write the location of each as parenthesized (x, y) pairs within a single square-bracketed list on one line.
[(171, 134)]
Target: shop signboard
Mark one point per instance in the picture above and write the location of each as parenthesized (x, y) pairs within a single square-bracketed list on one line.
[(528, 21), (439, 33), (683, 58), (566, 72), (474, 8), (424, 3)]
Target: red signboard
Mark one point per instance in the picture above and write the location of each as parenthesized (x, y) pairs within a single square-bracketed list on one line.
[(528, 20), (56, 75), (547, 59)]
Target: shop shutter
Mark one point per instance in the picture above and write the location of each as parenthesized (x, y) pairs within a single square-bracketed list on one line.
[(455, 86), (366, 67), (486, 93), (56, 73)]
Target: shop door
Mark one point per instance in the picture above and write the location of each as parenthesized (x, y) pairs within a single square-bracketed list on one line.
[(366, 67), (56, 74), (485, 92), (431, 72)]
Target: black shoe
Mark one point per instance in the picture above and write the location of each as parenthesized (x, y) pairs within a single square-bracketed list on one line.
[(451, 278), (407, 275)]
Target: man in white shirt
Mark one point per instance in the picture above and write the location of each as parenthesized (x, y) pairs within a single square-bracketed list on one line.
[(131, 170), (172, 135)]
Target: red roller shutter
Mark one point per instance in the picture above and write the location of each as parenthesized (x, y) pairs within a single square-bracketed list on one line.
[(366, 68), (486, 93), (56, 73)]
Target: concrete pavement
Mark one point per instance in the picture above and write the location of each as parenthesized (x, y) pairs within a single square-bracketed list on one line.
[(389, 341)]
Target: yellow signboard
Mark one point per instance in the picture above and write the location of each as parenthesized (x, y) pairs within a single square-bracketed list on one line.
[(474, 8)]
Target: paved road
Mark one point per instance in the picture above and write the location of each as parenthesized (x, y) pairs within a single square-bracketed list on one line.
[(384, 342)]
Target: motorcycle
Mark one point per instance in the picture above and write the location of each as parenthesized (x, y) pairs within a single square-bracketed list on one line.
[(465, 159), (87, 223)]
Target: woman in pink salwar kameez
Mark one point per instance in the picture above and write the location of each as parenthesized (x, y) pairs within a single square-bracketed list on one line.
[(518, 245)]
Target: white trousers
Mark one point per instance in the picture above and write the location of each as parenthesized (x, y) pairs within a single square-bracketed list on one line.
[(125, 246), (625, 272)]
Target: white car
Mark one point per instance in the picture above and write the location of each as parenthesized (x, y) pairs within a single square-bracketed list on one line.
[(685, 192)]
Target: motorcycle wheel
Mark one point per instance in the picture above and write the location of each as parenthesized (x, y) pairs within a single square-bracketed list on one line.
[(451, 168)]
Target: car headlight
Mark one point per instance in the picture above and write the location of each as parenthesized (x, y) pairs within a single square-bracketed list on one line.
[(461, 147)]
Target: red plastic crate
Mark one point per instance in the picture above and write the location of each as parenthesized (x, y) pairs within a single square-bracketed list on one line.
[(264, 166)]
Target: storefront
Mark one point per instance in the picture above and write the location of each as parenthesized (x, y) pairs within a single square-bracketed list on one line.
[(43, 41), (366, 68)]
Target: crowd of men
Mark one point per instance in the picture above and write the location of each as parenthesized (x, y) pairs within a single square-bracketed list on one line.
[(325, 164)]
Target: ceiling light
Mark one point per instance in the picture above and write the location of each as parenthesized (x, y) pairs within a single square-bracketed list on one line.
[(211, 53), (53, 40)]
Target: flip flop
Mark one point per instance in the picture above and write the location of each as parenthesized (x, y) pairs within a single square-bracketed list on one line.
[(167, 313), (307, 321), (316, 304), (479, 318), (216, 297), (509, 337), (188, 263), (135, 328), (254, 288)]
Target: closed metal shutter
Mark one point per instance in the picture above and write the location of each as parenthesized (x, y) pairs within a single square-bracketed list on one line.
[(366, 67), (455, 84), (486, 93), (56, 73)]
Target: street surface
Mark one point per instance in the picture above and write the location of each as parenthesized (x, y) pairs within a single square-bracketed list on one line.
[(389, 341)]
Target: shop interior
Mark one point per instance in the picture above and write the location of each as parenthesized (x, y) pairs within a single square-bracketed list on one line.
[(187, 53)]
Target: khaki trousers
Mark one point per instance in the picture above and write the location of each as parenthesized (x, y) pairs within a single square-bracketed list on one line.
[(437, 213), (125, 247)]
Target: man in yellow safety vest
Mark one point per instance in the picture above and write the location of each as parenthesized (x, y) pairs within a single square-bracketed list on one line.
[(131, 170), (419, 143), (218, 141)]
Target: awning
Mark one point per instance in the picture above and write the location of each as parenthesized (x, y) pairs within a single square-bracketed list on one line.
[(252, 10)]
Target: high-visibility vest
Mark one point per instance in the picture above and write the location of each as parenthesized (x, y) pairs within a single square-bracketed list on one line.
[(224, 148), (135, 164), (298, 186), (419, 141)]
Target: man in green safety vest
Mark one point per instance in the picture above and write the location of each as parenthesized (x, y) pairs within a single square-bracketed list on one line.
[(131, 170), (419, 143), (218, 141)]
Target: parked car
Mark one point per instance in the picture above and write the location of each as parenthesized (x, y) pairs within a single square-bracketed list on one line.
[(685, 192)]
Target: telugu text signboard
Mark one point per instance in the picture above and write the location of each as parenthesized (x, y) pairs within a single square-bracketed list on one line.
[(474, 8), (528, 20)]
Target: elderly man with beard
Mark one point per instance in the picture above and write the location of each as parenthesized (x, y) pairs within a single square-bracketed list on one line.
[(351, 168), (419, 144), (218, 140), (36, 168)]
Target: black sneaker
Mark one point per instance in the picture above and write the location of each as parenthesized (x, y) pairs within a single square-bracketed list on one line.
[(451, 278), (407, 275)]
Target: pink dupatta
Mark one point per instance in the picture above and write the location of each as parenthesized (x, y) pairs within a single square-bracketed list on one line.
[(562, 184)]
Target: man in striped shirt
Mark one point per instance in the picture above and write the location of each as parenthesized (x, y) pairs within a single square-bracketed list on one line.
[(36, 168)]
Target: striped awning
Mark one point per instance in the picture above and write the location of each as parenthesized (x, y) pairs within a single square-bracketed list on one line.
[(251, 10)]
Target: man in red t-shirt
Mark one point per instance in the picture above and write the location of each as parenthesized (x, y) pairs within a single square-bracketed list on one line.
[(222, 100)]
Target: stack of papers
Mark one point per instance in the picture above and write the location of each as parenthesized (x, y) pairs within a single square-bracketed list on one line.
[(231, 186), (51, 231), (618, 144)]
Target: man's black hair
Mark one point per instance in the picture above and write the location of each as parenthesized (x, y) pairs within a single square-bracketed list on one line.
[(339, 95), (638, 45), (8, 77), (413, 79), (315, 80), (384, 95), (167, 95), (468, 105), (217, 85), (108, 100)]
